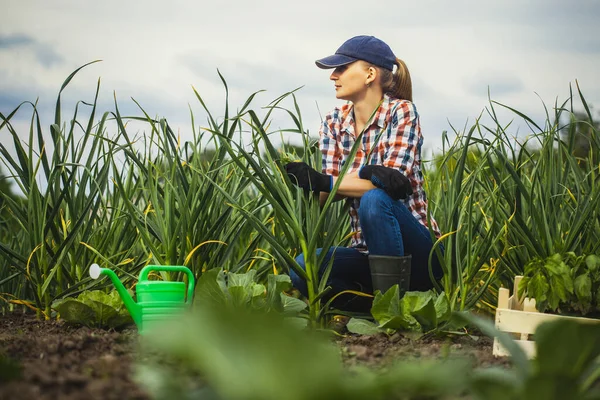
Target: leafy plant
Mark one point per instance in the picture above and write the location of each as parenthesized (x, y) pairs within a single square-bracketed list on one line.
[(586, 282), (503, 198), (94, 308), (566, 364), (563, 283), (302, 223), (550, 196), (181, 217), (250, 356), (63, 175), (241, 290), (416, 311), (464, 201)]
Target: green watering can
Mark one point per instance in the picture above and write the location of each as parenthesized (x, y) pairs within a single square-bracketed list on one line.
[(156, 300)]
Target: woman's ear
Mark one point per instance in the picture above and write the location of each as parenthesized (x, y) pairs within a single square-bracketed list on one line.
[(371, 75)]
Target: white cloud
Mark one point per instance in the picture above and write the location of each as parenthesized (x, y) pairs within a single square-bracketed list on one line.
[(155, 51)]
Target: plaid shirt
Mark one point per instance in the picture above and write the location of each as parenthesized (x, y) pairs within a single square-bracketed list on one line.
[(398, 147)]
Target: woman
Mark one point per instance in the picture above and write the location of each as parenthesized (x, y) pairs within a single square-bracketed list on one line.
[(389, 208)]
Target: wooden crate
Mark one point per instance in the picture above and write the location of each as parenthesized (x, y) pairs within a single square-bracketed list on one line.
[(520, 317)]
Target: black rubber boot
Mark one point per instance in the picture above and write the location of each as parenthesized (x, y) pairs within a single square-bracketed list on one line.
[(387, 271)]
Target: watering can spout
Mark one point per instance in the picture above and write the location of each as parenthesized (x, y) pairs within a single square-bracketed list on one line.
[(133, 308)]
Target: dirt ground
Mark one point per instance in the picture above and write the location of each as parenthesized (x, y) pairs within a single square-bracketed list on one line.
[(379, 350), (50, 360), (58, 361)]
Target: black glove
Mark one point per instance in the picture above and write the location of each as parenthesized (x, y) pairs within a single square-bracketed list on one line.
[(389, 179), (302, 175)]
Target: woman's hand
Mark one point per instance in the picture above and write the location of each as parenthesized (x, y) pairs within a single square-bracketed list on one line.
[(391, 180), (302, 175)]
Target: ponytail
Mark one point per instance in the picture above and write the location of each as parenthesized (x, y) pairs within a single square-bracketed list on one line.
[(397, 84)]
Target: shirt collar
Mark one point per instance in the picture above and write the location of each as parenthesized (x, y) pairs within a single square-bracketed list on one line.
[(348, 118), (382, 112), (379, 119)]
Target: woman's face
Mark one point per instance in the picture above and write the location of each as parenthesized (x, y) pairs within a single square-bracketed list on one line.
[(350, 80)]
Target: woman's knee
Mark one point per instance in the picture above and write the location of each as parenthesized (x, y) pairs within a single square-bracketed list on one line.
[(372, 203), (376, 196)]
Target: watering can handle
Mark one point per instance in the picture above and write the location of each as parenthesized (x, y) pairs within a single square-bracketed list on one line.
[(171, 268)]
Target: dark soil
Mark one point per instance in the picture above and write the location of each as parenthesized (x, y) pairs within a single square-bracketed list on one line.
[(380, 350), (51, 360), (58, 361)]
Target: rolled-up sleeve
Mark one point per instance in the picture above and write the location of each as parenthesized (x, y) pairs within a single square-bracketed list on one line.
[(403, 138)]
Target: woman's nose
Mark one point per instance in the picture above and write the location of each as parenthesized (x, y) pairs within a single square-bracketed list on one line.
[(333, 76)]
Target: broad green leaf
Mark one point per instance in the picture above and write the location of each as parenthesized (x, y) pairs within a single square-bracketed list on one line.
[(291, 305), (276, 285), (558, 291), (532, 266), (258, 303), (555, 259), (579, 347), (95, 308), (258, 290), (592, 262), (244, 291), (556, 267), (548, 387), (568, 281), (403, 321), (583, 288), (239, 296), (391, 312), (362, 327), (387, 305), (553, 268), (495, 384), (94, 295), (102, 304), (538, 287), (116, 302), (421, 306), (442, 308), (211, 289), (103, 312), (75, 311), (231, 339), (245, 280), (296, 322), (426, 316), (417, 300)]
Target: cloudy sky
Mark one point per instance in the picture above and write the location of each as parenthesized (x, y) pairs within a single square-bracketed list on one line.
[(525, 51)]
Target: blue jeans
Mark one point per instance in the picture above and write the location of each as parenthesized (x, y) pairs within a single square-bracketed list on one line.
[(389, 229)]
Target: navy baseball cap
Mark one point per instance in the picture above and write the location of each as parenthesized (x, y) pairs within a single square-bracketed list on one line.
[(366, 48)]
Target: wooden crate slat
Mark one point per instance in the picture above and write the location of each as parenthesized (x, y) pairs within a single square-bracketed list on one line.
[(527, 322), (515, 302), (520, 317), (503, 299)]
